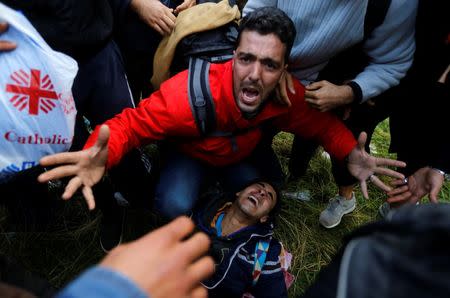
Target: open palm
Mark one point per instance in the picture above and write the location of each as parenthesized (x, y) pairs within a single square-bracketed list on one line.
[(87, 167), (364, 166)]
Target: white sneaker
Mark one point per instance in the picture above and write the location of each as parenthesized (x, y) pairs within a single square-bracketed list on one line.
[(384, 210), (337, 207)]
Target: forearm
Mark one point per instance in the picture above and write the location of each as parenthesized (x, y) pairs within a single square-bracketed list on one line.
[(101, 282), (324, 127), (390, 49)]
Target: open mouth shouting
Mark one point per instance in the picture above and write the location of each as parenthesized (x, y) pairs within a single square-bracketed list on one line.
[(254, 200), (250, 95)]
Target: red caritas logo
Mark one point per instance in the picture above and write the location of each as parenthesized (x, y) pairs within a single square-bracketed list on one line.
[(32, 92)]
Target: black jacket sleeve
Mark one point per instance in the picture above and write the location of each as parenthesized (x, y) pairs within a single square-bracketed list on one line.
[(78, 28), (119, 9)]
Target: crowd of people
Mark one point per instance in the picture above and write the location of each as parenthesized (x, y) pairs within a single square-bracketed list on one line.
[(326, 71)]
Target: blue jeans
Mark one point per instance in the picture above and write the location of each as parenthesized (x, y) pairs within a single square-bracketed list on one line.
[(183, 177)]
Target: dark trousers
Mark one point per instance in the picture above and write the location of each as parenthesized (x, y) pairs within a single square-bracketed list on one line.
[(183, 178), (364, 117), (138, 43), (30, 204), (101, 91)]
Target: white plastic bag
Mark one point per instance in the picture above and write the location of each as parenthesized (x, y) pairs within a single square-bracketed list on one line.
[(37, 111)]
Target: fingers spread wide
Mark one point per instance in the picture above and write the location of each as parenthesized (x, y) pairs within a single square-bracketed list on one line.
[(388, 172), (57, 173), (390, 162), (71, 188), (380, 184), (89, 197), (60, 158), (363, 186)]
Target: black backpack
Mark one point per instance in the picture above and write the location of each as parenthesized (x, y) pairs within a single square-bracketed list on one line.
[(196, 51), (214, 45), (407, 255)]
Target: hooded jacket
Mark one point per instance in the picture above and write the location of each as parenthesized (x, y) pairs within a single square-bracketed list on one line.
[(234, 256), (167, 114)]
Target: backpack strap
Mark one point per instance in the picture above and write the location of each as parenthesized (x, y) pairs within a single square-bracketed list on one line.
[(375, 15), (261, 249), (202, 103), (200, 97)]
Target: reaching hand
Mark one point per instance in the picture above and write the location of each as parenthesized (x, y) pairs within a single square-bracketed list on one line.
[(325, 96), (155, 14), (425, 181), (88, 167), (185, 5), (363, 166), (285, 84), (164, 263), (5, 45)]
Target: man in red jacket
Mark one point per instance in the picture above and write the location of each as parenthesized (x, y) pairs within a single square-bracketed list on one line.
[(243, 92)]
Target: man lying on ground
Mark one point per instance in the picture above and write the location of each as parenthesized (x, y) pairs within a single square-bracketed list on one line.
[(246, 255)]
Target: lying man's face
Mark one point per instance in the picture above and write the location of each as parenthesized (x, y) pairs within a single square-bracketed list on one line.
[(258, 63), (257, 200)]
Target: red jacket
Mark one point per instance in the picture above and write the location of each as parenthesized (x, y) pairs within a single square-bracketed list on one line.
[(166, 114)]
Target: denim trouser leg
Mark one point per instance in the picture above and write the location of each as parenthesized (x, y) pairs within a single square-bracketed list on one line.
[(236, 177), (179, 185), (261, 164)]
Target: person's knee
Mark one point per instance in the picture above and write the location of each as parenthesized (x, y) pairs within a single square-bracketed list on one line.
[(171, 205)]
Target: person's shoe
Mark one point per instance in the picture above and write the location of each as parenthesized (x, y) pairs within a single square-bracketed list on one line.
[(301, 195), (384, 210), (337, 207)]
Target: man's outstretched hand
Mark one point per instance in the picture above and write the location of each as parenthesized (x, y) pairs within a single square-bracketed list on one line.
[(364, 166), (425, 181), (167, 262), (87, 167)]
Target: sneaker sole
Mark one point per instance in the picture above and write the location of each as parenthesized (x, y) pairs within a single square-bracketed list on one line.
[(336, 224), (381, 212)]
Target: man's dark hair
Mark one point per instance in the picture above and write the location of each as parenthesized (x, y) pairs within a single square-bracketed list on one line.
[(268, 20)]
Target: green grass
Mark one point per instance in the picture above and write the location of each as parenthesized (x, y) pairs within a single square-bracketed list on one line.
[(312, 245), (59, 256)]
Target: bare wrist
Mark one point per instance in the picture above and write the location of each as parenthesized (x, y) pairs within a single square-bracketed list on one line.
[(444, 174), (135, 5)]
